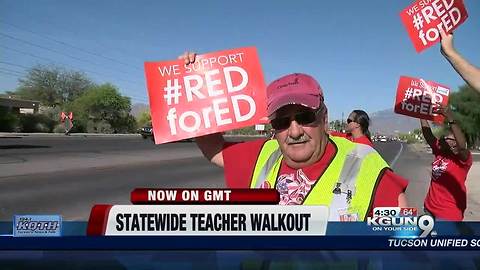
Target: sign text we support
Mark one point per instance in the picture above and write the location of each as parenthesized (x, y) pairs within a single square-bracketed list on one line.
[(220, 91)]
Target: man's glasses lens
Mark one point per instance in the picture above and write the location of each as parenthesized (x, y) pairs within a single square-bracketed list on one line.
[(280, 123), (303, 118)]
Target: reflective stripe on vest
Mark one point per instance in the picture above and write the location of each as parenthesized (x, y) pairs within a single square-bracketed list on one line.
[(347, 185)]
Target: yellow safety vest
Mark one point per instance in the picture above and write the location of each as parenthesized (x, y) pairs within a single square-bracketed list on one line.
[(348, 184)]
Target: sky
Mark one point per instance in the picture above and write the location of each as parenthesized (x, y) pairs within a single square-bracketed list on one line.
[(357, 50)]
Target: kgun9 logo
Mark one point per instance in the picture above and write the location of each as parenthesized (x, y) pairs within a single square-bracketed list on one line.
[(395, 223)]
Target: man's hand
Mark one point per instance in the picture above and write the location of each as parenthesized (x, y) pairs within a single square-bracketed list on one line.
[(188, 57), (446, 41), (457, 132)]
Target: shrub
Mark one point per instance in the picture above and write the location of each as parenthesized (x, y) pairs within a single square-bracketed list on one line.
[(8, 120), (36, 123)]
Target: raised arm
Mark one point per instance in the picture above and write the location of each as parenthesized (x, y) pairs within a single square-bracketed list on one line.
[(212, 146), (457, 132), (469, 72), (427, 133)]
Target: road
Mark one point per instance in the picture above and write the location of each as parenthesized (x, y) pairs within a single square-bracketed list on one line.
[(68, 175)]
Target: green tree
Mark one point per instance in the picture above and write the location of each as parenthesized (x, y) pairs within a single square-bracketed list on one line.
[(52, 86), (102, 109), (250, 130), (8, 93), (337, 125), (466, 108), (144, 118), (417, 131)]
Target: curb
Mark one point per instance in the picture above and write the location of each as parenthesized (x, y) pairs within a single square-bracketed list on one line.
[(19, 135)]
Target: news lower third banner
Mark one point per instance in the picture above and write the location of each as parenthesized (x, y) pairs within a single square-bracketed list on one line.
[(254, 222), (209, 220)]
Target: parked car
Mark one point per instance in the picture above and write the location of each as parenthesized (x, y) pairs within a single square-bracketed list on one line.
[(382, 138)]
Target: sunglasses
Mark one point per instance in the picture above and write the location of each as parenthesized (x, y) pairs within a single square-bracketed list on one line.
[(349, 121), (448, 139), (302, 118)]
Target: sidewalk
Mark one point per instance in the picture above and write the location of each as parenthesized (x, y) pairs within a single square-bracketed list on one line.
[(19, 135), (7, 135), (473, 193)]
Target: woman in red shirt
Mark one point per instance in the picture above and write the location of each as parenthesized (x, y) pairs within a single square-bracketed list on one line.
[(357, 128), (447, 195)]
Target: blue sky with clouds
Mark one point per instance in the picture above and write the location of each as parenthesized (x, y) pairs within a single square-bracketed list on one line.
[(356, 49)]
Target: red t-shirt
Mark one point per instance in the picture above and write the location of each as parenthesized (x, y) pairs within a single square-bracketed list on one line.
[(363, 139), (240, 158), (447, 196)]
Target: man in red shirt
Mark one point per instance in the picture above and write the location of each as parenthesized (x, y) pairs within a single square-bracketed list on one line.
[(447, 197), (310, 166)]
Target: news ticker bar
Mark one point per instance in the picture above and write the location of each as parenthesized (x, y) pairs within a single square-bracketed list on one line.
[(204, 196), (213, 220), (443, 228), (238, 243)]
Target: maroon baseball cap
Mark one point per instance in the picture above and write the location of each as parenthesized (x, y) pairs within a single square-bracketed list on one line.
[(296, 88)]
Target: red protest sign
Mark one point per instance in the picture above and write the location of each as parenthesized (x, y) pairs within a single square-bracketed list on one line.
[(418, 98), (424, 18), (221, 91)]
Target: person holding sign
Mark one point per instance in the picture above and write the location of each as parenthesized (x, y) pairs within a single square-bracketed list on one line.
[(357, 128), (447, 197), (469, 73), (68, 121), (304, 163)]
